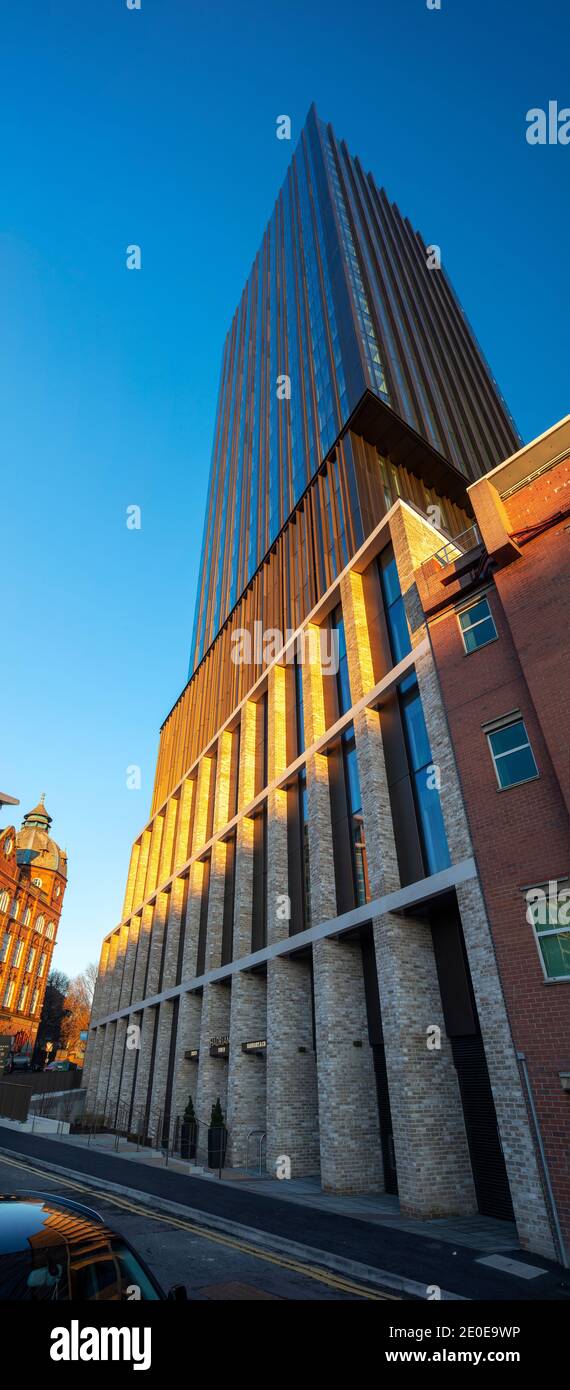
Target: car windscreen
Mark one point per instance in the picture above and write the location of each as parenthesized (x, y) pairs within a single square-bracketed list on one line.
[(60, 1274)]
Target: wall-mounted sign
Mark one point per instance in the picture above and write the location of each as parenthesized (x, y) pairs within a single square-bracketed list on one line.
[(219, 1040), (220, 1050), (192, 1054), (257, 1045)]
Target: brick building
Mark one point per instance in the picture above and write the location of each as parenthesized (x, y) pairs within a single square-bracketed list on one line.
[(33, 879), (499, 624), (304, 932)]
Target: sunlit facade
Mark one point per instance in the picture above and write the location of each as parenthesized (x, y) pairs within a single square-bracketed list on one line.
[(339, 301)]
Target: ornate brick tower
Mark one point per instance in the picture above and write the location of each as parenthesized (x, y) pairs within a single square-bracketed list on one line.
[(33, 879)]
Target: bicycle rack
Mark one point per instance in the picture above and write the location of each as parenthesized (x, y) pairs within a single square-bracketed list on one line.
[(261, 1137)]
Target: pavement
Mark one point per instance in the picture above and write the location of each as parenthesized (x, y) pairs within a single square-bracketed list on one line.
[(362, 1240)]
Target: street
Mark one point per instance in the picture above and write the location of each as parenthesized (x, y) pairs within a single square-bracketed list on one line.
[(212, 1266)]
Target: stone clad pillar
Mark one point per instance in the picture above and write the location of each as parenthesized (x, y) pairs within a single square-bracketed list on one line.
[(103, 1079), (132, 1048), (116, 1067), (351, 1156), (292, 1098), (432, 1155), (246, 1079), (140, 1099), (95, 1053)]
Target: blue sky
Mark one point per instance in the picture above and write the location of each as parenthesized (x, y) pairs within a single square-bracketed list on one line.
[(157, 127)]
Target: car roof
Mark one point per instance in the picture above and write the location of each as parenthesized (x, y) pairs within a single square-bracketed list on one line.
[(65, 1219)]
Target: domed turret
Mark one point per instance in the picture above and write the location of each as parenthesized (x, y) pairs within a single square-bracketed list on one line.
[(34, 845)]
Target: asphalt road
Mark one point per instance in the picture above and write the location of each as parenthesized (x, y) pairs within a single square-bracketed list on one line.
[(211, 1268)]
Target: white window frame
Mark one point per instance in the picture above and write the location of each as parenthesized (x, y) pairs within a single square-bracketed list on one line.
[(4, 900), (42, 965), (465, 608), (5, 948), (22, 1000), (548, 931), (515, 717), (50, 931), (18, 953), (30, 960), (39, 923), (9, 994), (34, 1004)]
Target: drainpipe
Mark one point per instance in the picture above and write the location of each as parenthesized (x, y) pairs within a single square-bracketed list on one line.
[(521, 1057)]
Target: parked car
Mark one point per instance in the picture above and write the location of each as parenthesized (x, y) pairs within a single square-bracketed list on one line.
[(18, 1063), (61, 1066), (55, 1249)]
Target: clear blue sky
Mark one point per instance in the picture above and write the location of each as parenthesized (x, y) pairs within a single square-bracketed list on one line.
[(158, 127)]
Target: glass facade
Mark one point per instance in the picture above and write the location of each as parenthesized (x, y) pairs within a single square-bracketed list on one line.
[(338, 302), (425, 778)]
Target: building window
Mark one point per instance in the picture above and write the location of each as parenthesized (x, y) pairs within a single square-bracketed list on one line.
[(7, 847), (42, 964), (356, 821), (549, 915), (4, 949), (342, 677), (35, 998), (424, 778), (15, 908), (394, 606), (304, 836), (27, 917), (50, 929), (299, 707), (4, 900), (9, 994), (18, 953), (40, 922), (31, 959), (22, 999), (57, 890), (37, 882), (477, 625), (259, 913), (513, 758)]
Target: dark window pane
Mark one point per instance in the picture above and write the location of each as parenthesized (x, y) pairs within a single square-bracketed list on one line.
[(502, 740), (516, 767)]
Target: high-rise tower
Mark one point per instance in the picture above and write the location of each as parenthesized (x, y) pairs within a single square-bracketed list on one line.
[(343, 298), (304, 933)]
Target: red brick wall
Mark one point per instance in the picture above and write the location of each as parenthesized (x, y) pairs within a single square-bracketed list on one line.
[(521, 835)]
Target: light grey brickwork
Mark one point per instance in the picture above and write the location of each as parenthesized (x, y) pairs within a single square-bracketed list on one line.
[(313, 1088)]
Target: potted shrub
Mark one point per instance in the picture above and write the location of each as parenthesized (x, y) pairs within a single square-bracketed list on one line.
[(217, 1137), (188, 1132)]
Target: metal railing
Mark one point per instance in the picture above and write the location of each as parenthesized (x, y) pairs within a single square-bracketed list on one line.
[(261, 1137), (460, 545)]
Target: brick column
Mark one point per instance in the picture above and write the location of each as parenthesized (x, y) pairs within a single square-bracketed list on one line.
[(212, 1071), (138, 894), (151, 880), (166, 851), (98, 993), (130, 958), (187, 1037), (118, 970), (351, 1158), (143, 944), (174, 927), (160, 1069), (159, 920), (531, 1214), (131, 879), (143, 1068), (109, 980), (182, 845), (94, 1055), (292, 1097), (132, 1048), (432, 1155), (103, 1080), (116, 1067), (246, 1072)]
